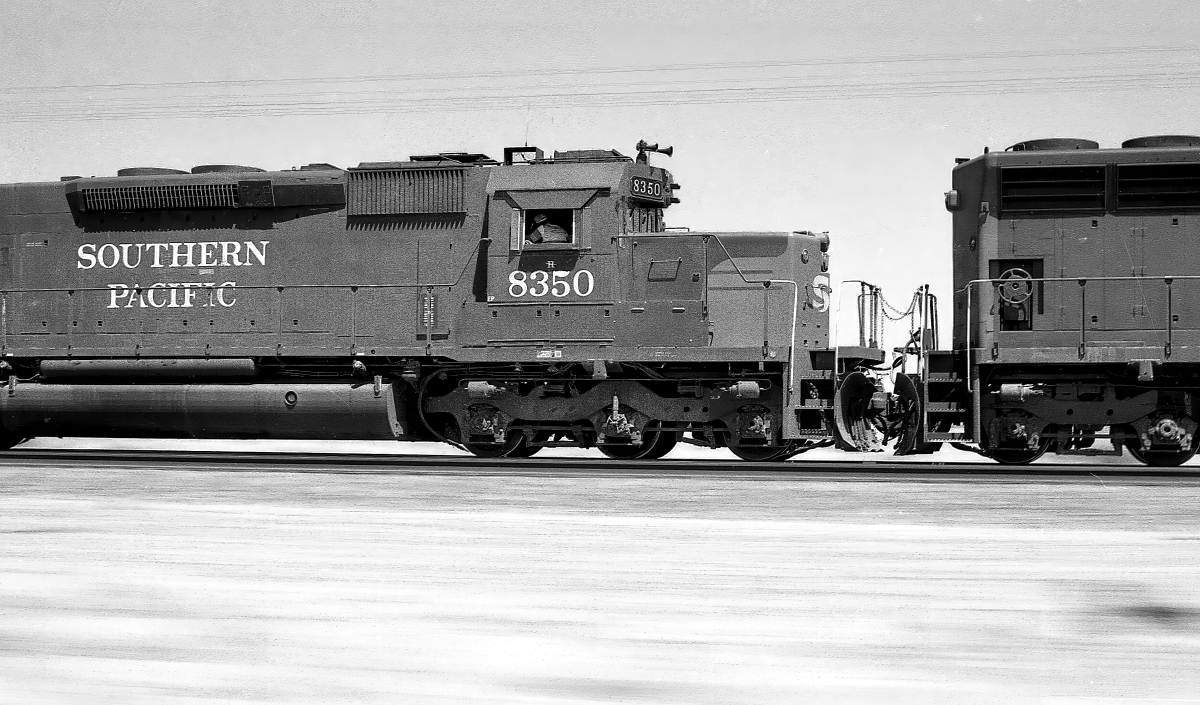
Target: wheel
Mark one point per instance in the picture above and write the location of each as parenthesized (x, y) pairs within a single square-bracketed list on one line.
[(908, 441), (665, 444), (1018, 456), (514, 443), (854, 418), (525, 450), (8, 440), (645, 451), (617, 452), (762, 454), (1159, 459)]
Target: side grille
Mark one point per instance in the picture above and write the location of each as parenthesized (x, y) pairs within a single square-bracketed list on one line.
[(134, 198), (406, 191), (1157, 186), (1033, 190)]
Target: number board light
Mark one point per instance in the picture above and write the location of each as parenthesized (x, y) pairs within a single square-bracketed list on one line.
[(649, 190)]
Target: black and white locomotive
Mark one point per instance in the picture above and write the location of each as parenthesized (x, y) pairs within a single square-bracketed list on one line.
[(503, 306)]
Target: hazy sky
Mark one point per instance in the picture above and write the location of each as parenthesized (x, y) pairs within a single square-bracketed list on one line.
[(841, 116)]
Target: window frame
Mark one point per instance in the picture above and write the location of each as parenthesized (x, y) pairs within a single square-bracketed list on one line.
[(522, 202)]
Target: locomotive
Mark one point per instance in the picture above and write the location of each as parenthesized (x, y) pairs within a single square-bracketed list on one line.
[(501, 306), (1076, 302)]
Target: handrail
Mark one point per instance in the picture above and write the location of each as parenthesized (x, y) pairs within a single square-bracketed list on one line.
[(837, 312), (1167, 280), (1113, 278), (969, 288)]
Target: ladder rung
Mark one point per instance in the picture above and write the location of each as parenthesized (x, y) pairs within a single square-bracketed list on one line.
[(944, 406), (947, 436)]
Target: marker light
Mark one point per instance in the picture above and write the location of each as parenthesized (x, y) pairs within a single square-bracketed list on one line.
[(952, 200)]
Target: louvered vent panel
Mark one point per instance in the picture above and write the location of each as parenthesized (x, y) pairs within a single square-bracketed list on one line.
[(1041, 189), (1157, 186), (406, 191), (139, 198)]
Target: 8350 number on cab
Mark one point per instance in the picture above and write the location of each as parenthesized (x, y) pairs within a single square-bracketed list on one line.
[(558, 284)]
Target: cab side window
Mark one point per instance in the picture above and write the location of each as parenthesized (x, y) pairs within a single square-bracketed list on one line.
[(547, 228), (550, 226), (558, 219)]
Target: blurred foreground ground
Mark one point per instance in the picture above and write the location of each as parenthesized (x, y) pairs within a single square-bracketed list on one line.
[(168, 586)]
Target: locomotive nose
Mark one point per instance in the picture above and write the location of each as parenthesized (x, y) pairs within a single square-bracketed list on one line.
[(822, 238)]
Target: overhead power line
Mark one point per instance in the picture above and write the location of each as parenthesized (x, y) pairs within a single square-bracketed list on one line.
[(702, 84), (597, 70)]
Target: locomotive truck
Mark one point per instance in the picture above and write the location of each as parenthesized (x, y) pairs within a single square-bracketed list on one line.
[(503, 306)]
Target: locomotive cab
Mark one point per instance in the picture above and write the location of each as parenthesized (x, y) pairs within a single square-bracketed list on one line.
[(581, 267)]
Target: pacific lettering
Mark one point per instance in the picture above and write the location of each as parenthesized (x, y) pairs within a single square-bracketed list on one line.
[(189, 294), (172, 295), (221, 294), (149, 295), (119, 292)]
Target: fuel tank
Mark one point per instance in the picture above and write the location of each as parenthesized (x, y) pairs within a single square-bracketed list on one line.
[(365, 411)]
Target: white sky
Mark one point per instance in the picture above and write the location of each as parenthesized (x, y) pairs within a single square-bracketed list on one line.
[(841, 116)]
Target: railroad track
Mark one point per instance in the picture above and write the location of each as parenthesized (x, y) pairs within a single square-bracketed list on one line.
[(363, 463)]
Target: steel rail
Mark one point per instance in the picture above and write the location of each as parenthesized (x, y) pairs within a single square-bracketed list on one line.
[(261, 461)]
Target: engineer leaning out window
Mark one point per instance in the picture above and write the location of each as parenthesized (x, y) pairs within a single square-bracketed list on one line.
[(543, 228)]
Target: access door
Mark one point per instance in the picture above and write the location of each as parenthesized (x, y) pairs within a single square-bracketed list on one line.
[(665, 280)]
